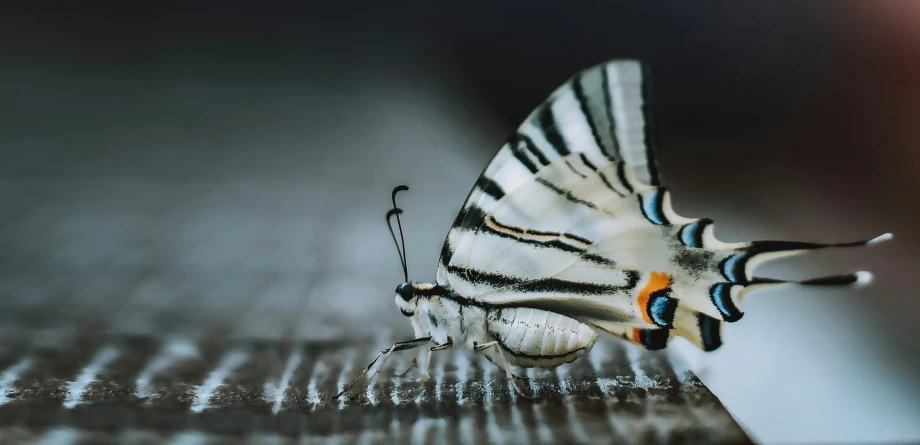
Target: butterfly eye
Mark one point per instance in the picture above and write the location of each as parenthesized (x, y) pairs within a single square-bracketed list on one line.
[(405, 291)]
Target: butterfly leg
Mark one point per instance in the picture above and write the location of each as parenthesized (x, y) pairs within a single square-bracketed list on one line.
[(399, 346), (413, 364), (504, 365), (436, 347)]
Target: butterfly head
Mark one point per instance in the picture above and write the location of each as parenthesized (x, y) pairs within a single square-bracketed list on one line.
[(409, 293), (406, 298)]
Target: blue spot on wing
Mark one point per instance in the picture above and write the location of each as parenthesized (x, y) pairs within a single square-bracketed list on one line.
[(661, 308), (720, 293), (692, 234), (734, 265), (652, 206)]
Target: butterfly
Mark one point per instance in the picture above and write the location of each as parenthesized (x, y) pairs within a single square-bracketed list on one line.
[(569, 234)]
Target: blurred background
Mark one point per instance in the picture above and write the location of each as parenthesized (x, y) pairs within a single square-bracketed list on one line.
[(165, 165)]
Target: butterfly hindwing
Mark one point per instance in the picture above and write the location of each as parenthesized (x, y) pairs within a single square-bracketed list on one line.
[(569, 217)]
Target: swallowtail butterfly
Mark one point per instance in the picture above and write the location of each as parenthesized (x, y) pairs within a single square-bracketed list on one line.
[(568, 233)]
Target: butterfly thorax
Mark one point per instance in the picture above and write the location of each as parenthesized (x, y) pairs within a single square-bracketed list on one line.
[(436, 311)]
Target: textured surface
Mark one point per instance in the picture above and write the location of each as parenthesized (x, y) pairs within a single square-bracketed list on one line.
[(146, 311), (130, 388)]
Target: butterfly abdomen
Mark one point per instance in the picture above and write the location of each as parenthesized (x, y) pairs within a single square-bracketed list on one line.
[(537, 338)]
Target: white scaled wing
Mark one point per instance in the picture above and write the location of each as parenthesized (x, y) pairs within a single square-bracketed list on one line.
[(569, 217)]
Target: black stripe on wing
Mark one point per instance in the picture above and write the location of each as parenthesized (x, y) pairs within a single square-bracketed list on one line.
[(734, 267), (546, 122), (710, 332), (601, 175), (621, 174), (518, 235), (573, 169), (579, 91), (549, 285), (527, 232), (490, 187), (608, 107), (567, 194), (654, 339), (471, 217), (647, 114)]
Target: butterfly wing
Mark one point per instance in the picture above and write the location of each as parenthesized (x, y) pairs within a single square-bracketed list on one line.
[(569, 217)]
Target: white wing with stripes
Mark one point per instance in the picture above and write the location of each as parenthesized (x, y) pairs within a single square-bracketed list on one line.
[(570, 217)]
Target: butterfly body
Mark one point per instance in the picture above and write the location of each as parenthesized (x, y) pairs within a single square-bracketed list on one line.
[(569, 234), (527, 337)]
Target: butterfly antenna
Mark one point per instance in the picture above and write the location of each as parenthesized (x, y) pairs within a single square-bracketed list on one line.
[(390, 214), (396, 210)]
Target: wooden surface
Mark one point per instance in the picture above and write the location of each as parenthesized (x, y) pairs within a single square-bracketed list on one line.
[(141, 390), (146, 312)]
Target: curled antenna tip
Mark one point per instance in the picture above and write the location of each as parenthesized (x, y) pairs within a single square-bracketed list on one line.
[(863, 277), (880, 238), (399, 188)]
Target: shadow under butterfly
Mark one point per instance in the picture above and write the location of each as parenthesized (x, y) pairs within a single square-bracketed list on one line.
[(569, 233)]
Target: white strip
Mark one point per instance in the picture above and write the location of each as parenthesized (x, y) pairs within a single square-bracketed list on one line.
[(189, 438), (394, 396), (441, 426), (394, 428), (596, 357), (642, 380), (371, 393), (76, 388), (60, 436), (573, 125), (578, 430), (10, 376), (544, 434), (312, 393), (467, 430), (863, 277), (438, 379), (683, 372), (422, 390), (266, 439), (420, 430), (462, 362), (205, 391), (493, 431), (881, 238), (366, 437), (516, 418), (292, 364), (173, 351), (343, 376)]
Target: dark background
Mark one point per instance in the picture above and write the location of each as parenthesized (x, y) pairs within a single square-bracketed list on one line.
[(167, 164)]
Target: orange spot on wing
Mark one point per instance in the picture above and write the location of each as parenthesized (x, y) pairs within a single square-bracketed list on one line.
[(656, 281), (636, 336)]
